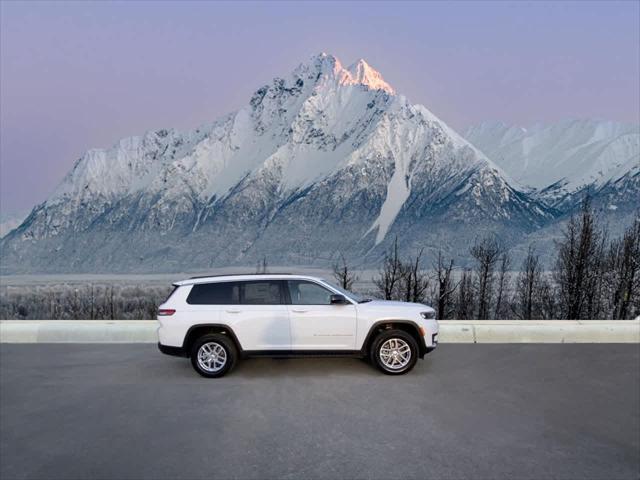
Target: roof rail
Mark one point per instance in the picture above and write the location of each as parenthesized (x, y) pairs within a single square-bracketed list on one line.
[(239, 275)]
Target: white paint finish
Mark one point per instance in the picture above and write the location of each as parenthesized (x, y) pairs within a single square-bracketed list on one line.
[(371, 313), (258, 327), (174, 328), (247, 277), (323, 327), (282, 327)]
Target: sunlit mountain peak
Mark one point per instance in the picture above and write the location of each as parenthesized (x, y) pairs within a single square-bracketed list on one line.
[(361, 72)]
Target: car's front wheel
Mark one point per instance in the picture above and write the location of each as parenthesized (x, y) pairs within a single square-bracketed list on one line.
[(213, 355), (394, 352)]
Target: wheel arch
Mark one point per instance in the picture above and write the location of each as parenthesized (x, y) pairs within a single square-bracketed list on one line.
[(394, 324), (196, 331)]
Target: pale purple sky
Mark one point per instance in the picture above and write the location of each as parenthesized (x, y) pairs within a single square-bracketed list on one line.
[(79, 75)]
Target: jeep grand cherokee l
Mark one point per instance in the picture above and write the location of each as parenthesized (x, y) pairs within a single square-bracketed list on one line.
[(217, 320)]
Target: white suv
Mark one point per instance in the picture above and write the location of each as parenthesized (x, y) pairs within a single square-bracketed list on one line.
[(217, 320)]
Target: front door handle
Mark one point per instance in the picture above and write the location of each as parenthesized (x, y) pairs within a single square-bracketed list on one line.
[(297, 310), (233, 311)]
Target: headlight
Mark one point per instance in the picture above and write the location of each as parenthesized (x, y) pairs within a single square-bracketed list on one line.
[(428, 315)]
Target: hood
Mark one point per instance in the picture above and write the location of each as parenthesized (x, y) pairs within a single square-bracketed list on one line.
[(396, 304)]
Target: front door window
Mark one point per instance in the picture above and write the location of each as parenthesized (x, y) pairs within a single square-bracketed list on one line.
[(308, 293)]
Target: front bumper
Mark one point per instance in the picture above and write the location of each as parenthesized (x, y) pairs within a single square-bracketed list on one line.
[(434, 343)]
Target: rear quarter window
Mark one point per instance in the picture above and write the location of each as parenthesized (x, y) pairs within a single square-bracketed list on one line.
[(224, 293)]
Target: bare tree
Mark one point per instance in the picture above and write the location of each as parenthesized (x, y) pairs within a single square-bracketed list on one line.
[(548, 295), (388, 281), (528, 286), (112, 309), (592, 278), (578, 264), (446, 287), (623, 271), (414, 282), (503, 284), (343, 273), (262, 265), (595, 305), (486, 253), (92, 302), (465, 304)]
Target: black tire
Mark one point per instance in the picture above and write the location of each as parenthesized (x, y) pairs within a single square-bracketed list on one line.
[(385, 336), (227, 345)]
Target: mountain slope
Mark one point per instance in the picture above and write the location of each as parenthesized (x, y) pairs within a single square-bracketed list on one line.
[(9, 221), (564, 161), (328, 158)]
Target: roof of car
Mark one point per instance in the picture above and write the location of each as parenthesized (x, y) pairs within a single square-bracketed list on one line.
[(242, 277)]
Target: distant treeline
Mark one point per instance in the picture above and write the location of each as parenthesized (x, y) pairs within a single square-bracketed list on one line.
[(593, 277), (81, 302)]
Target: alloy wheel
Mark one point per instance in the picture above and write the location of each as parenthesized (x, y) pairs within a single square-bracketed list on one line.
[(212, 357), (395, 354)]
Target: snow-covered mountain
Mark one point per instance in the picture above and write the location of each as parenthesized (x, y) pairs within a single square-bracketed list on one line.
[(9, 221), (326, 159), (563, 161)]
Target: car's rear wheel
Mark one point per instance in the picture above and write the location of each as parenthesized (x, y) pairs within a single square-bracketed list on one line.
[(213, 355), (394, 352)]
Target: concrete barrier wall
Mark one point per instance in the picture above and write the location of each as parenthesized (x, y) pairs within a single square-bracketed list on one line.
[(78, 331), (540, 331), (451, 331)]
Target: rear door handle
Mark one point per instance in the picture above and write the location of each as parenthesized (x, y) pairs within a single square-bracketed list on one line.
[(297, 310), (233, 311)]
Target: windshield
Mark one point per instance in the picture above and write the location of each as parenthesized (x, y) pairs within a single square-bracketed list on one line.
[(353, 296)]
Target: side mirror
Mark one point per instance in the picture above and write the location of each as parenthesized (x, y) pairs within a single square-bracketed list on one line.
[(338, 299)]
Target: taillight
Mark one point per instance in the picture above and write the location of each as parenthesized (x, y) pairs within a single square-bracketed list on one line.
[(166, 311)]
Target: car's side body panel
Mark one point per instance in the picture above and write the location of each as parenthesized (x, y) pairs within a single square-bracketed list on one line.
[(291, 329), (173, 329), (379, 312), (323, 326), (258, 327)]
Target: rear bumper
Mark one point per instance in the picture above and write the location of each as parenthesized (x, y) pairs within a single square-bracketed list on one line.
[(173, 351)]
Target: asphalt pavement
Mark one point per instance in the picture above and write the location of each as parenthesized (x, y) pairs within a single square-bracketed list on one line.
[(467, 411)]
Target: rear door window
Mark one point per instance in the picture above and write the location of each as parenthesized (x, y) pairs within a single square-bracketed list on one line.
[(221, 293), (266, 292)]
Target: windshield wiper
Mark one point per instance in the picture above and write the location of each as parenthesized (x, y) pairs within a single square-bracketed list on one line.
[(365, 300)]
